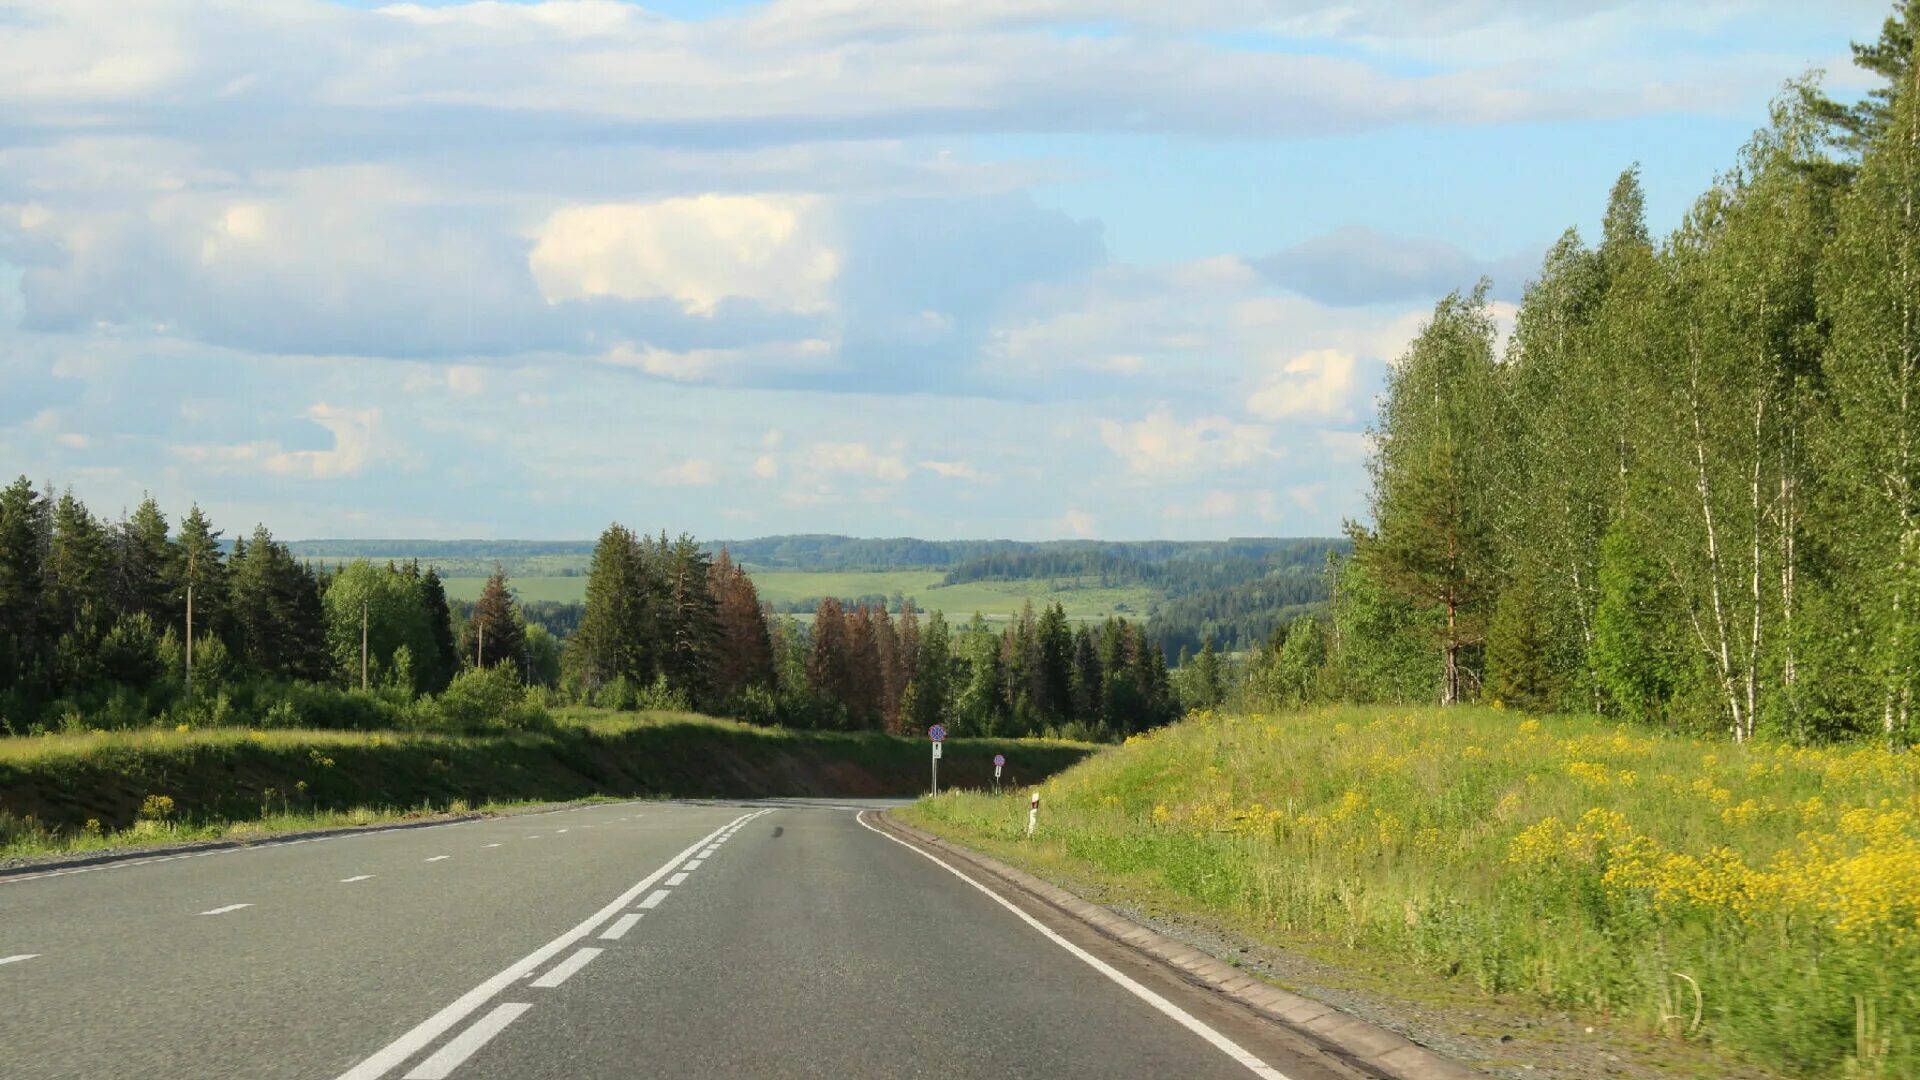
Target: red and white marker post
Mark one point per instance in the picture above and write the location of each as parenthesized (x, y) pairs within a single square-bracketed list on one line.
[(1033, 813)]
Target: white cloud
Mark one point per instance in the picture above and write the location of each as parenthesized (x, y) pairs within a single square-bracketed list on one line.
[(1078, 523), (693, 472), (766, 467), (357, 443), (857, 458), (722, 365), (1160, 444), (73, 440), (952, 470), (1316, 384), (774, 250)]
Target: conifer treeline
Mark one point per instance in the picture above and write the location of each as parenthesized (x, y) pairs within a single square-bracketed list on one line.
[(1688, 493), (664, 623)]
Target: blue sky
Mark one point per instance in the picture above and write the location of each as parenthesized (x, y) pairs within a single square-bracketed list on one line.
[(946, 268)]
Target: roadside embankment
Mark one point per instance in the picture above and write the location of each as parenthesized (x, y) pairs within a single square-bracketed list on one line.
[(1737, 910), (105, 788)]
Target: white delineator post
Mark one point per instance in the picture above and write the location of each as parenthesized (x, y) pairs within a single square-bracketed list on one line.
[(1033, 813)]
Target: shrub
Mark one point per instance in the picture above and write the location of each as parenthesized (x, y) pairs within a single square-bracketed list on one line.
[(486, 699)]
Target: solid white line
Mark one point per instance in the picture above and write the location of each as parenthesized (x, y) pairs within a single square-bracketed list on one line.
[(17, 959), (694, 864), (383, 1060), (354, 878), (565, 969), (462, 1046), (1180, 1016), (677, 879), (437, 858), (619, 928), (224, 910), (653, 899)]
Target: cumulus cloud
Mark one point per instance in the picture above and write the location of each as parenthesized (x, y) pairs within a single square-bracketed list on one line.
[(357, 443), (1160, 444), (774, 250), (1078, 524), (1317, 384), (692, 472)]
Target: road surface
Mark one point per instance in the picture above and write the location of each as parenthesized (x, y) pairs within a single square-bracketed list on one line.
[(779, 939)]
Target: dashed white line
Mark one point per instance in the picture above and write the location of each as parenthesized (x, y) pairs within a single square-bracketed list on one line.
[(489, 845), (31, 955), (437, 858), (224, 910), (535, 836), (557, 832), (677, 879), (694, 864), (388, 1057), (354, 878), (653, 899), (565, 969), (1174, 1012), (619, 928), (708, 854), (462, 1046)]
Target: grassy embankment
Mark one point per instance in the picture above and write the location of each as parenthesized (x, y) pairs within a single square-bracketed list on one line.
[(116, 789), (994, 599), (1605, 869)]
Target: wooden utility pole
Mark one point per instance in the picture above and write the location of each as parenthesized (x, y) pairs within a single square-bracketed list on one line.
[(479, 644), (189, 629), (363, 646)]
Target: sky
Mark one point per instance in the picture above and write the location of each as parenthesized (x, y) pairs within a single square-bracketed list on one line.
[(942, 268)]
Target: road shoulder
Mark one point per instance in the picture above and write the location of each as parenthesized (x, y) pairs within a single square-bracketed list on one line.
[(1343, 1036)]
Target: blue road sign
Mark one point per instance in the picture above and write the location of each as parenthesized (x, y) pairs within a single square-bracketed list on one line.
[(999, 760), (938, 733)]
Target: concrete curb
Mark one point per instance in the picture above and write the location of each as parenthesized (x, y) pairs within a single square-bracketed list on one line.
[(1389, 1053)]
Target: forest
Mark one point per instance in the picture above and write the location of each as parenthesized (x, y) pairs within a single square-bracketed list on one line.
[(1685, 490), (135, 622)]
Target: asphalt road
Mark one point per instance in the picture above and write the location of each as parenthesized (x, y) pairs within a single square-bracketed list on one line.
[(771, 939)]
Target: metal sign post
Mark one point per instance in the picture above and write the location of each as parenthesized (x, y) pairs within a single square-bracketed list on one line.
[(938, 734), (999, 762)]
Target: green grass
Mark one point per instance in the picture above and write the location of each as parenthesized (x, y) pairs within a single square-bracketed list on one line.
[(994, 599), (79, 791), (1581, 865)]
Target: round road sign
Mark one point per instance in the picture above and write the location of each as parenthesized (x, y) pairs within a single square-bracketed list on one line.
[(999, 759), (937, 733)]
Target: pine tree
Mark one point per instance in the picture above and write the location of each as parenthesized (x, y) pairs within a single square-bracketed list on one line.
[(1433, 482), (743, 656), (145, 576), (440, 660), (933, 675), (692, 620), (23, 513), (497, 634), (829, 664), (616, 635)]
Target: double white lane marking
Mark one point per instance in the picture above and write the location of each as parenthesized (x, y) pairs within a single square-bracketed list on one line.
[(457, 1050), (1179, 1016)]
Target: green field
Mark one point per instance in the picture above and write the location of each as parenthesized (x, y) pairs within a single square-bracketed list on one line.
[(990, 598)]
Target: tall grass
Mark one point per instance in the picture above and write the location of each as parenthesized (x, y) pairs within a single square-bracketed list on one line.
[(1761, 898)]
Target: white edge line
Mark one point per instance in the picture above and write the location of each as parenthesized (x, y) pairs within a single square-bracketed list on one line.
[(17, 959), (462, 1046), (382, 1061), (1180, 1016), (566, 969)]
